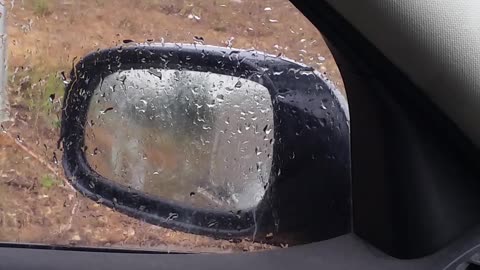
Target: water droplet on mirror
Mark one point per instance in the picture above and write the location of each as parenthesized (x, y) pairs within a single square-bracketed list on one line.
[(259, 166), (220, 98), (144, 102), (264, 110), (195, 90), (107, 110), (267, 129), (238, 84), (156, 72)]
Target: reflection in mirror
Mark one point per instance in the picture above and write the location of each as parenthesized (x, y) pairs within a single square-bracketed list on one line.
[(201, 139)]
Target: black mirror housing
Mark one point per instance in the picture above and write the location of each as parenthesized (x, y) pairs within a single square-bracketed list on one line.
[(309, 189)]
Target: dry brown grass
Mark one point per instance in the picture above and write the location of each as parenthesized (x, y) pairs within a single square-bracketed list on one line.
[(71, 29)]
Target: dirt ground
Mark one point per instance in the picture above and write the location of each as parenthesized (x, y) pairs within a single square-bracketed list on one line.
[(46, 37)]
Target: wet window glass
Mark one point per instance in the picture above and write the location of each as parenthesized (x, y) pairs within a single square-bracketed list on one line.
[(204, 137)]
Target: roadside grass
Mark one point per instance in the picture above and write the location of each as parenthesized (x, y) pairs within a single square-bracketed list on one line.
[(48, 181), (41, 8), (39, 93)]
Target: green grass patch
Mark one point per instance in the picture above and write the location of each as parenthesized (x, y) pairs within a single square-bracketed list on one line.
[(57, 124), (54, 87), (48, 181), (41, 8), (39, 90)]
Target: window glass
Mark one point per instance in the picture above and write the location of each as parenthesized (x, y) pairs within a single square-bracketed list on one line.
[(44, 39)]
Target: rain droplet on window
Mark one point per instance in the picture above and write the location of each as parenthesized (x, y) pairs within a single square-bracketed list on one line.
[(172, 216), (323, 122)]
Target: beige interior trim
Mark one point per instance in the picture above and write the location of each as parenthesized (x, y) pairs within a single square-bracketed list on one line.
[(435, 42)]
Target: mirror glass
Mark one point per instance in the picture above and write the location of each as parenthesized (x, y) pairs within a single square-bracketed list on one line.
[(196, 138)]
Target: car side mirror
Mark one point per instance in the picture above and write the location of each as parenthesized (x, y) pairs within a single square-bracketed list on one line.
[(216, 141)]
